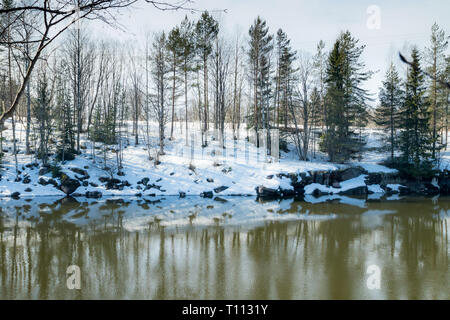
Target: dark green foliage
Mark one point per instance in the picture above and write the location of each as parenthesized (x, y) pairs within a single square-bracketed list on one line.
[(407, 170), (260, 46), (387, 114), (345, 99), (416, 137)]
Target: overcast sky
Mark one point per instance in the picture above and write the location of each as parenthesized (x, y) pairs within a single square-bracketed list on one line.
[(402, 23)]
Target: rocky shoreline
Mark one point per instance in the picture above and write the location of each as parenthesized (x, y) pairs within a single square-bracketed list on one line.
[(320, 183), (350, 181)]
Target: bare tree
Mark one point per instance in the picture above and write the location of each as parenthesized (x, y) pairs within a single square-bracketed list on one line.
[(55, 17)]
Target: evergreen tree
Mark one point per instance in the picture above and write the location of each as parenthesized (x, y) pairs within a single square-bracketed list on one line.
[(64, 116), (285, 74), (387, 114), (206, 31), (346, 99), (43, 116), (436, 60), (416, 139), (175, 52), (260, 46), (187, 46)]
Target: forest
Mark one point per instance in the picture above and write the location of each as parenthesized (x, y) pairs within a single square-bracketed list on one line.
[(79, 94)]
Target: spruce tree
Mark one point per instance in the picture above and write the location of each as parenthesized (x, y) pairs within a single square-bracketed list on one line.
[(416, 139), (346, 100), (387, 113), (260, 46)]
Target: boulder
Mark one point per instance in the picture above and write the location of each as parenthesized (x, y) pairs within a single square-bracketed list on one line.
[(264, 192), (28, 190), (26, 180), (351, 173), (79, 171), (206, 194), (44, 170), (182, 194), (15, 195), (210, 180), (93, 194), (357, 191), (68, 185), (220, 189)]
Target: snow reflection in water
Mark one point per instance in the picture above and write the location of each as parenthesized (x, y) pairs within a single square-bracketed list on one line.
[(224, 248)]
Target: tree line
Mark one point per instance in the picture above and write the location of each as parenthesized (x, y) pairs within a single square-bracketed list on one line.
[(199, 75)]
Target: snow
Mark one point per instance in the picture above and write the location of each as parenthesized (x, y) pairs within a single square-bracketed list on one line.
[(375, 188), (240, 166), (345, 185), (394, 186)]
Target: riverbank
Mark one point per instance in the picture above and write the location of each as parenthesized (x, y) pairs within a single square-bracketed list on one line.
[(239, 169)]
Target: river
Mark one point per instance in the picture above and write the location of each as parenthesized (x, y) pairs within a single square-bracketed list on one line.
[(225, 248)]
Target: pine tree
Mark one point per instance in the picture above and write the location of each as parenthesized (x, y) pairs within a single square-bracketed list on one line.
[(175, 52), (187, 46), (416, 139), (284, 76), (206, 31), (387, 114), (436, 58), (260, 46), (43, 116)]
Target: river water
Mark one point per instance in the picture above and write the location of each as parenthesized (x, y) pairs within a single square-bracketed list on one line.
[(225, 248)]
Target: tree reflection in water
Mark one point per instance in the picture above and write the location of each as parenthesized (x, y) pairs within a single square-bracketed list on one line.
[(233, 248)]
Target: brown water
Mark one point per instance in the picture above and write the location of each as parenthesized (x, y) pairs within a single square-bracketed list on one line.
[(234, 248)]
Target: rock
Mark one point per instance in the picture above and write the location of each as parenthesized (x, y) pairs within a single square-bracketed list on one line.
[(52, 182), (121, 173), (159, 180), (269, 176), (26, 180), (144, 181), (264, 192), (206, 194), (15, 195), (336, 185), (68, 185), (220, 189), (227, 170), (79, 171), (28, 190), (93, 194), (85, 183), (182, 194), (138, 194), (92, 184), (357, 191), (103, 179), (373, 178), (351, 173), (44, 170), (318, 193), (42, 181), (404, 190), (172, 173), (430, 189), (210, 180)]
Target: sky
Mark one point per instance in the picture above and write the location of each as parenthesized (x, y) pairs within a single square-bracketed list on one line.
[(385, 27)]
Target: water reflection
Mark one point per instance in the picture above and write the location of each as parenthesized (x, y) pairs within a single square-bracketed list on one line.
[(232, 248)]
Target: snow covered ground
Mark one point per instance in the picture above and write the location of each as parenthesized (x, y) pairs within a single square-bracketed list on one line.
[(185, 167)]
